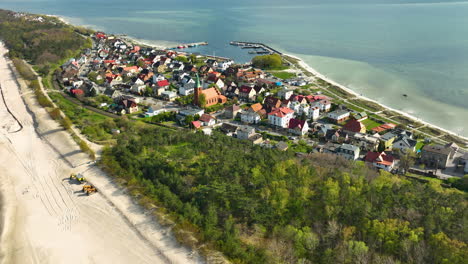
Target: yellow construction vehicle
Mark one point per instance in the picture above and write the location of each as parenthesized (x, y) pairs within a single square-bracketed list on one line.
[(79, 177), (89, 189)]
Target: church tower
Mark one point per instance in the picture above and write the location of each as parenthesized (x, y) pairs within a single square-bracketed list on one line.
[(198, 90)]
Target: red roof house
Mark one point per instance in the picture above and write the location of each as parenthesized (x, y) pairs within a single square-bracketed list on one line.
[(297, 126), (380, 160), (355, 126), (77, 92), (196, 124), (163, 83)]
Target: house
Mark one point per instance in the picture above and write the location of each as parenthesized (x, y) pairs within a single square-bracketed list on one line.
[(196, 124), (437, 156), (186, 89), (164, 84), (211, 95), (283, 146), (365, 142), (77, 92), (354, 126), (252, 115), (324, 105), (112, 93), (360, 116), (225, 64), (211, 63), (380, 160), (154, 111), (191, 112), (247, 93), (298, 127), (348, 151), (169, 95), (232, 111), (280, 117), (285, 93), (334, 135), (271, 103), (404, 143), (300, 108), (387, 139), (245, 132), (128, 106), (207, 120), (338, 116), (229, 129), (314, 113), (256, 138)]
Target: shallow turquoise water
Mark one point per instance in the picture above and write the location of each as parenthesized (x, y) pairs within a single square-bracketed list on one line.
[(380, 49)]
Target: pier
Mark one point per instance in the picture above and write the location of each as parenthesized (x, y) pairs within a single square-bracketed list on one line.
[(190, 45), (255, 45)]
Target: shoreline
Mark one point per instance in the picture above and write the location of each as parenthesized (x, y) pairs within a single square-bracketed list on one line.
[(316, 73), (311, 70)]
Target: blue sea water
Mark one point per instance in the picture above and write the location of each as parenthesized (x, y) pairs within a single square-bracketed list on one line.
[(379, 48)]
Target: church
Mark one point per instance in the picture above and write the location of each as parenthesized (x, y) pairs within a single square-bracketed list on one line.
[(212, 95)]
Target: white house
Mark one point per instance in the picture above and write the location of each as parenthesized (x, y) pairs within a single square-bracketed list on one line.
[(207, 120), (169, 95), (152, 111), (348, 151), (339, 116), (222, 66), (280, 117), (324, 105), (285, 93), (250, 116), (314, 113), (245, 132), (186, 89)]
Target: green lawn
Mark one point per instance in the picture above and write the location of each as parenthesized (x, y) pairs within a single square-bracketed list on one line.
[(95, 126), (419, 145), (370, 124), (284, 75)]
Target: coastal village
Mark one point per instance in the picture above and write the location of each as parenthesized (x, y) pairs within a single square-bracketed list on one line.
[(177, 89)]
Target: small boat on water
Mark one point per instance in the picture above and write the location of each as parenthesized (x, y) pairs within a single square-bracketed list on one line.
[(405, 95)]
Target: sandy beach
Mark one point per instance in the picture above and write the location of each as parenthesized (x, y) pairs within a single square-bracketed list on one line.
[(45, 217)]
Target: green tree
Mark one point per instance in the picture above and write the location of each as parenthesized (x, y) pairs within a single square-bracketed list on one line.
[(272, 61), (407, 160), (202, 100)]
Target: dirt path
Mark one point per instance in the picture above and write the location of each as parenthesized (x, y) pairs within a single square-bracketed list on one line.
[(46, 218)]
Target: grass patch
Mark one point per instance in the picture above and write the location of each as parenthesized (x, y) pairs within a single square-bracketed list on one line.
[(283, 75), (370, 124), (431, 131), (456, 140), (95, 127), (419, 145), (371, 106)]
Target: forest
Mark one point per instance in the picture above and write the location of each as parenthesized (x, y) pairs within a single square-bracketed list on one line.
[(44, 43), (260, 205)]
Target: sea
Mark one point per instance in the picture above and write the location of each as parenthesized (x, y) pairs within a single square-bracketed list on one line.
[(381, 49)]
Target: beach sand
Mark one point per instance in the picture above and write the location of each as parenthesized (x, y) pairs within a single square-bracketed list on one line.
[(45, 216)]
